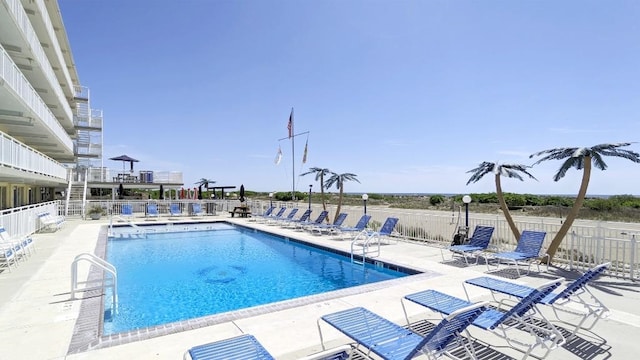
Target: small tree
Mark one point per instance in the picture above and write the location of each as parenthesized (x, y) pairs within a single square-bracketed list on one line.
[(205, 182), (320, 174), (580, 158), (508, 170), (339, 180)]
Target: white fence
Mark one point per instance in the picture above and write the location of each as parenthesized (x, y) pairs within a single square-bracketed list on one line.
[(24, 220)]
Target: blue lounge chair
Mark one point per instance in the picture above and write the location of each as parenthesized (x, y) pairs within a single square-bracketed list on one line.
[(152, 210), (527, 250), (292, 222), (366, 237), (197, 209), (174, 210), (328, 228), (274, 215), (575, 299), (51, 222), (391, 341), (126, 211), (21, 247), (308, 224), (501, 322), (8, 256), (478, 242), (280, 216), (247, 347), (359, 227), (243, 347), (265, 214)]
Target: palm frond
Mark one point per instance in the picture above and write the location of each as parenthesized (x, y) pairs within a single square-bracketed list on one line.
[(568, 164), (554, 154), (598, 161), (626, 154), (513, 170), (483, 169), (204, 181), (319, 172), (610, 146), (340, 179)]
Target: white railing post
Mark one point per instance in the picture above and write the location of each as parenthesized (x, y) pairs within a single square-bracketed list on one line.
[(632, 260)]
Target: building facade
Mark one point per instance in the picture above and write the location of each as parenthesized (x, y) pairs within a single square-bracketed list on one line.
[(48, 131)]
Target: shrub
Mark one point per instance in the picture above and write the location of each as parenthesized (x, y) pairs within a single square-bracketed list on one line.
[(436, 199)]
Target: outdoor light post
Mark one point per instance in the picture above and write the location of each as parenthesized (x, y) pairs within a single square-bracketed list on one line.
[(466, 200), (310, 186), (365, 197), (270, 199)]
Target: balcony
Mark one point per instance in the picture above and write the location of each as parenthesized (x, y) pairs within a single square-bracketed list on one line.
[(104, 177)]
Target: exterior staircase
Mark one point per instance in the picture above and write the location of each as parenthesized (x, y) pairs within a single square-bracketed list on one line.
[(76, 192)]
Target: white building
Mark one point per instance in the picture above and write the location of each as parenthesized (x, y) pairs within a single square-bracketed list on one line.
[(50, 137), (47, 125)]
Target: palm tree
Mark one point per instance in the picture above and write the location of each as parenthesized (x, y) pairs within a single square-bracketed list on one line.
[(508, 170), (580, 158), (204, 182), (320, 174), (339, 180)]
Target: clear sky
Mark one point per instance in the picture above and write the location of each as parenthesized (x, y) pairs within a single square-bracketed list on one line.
[(407, 95)]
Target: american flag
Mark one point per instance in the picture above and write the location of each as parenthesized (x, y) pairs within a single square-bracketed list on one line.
[(290, 124), (304, 156)]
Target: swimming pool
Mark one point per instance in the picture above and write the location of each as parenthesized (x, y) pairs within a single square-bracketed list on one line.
[(167, 276)]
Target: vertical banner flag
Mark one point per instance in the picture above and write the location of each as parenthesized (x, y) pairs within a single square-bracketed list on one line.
[(290, 124), (278, 155), (304, 156)]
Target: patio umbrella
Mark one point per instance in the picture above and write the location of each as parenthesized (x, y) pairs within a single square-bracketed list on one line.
[(200, 192), (242, 193), (120, 192), (161, 197), (125, 159)]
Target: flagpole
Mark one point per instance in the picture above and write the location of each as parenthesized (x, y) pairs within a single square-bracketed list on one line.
[(293, 162), (292, 136)]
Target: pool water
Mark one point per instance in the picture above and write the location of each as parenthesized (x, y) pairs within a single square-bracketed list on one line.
[(174, 276)]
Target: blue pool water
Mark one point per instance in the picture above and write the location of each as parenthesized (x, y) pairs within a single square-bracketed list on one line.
[(173, 276)]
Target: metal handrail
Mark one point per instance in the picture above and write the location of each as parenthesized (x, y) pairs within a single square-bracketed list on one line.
[(365, 245), (103, 265)]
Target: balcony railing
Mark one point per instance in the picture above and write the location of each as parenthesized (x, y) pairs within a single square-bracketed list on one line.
[(11, 74), (105, 175), (39, 55), (17, 155)]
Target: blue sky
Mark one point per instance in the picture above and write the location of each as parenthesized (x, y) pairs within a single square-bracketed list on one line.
[(407, 95)]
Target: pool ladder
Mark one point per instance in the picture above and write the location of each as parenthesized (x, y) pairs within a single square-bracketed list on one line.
[(103, 283), (369, 243)]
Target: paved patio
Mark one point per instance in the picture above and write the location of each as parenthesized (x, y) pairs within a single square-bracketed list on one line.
[(37, 317)]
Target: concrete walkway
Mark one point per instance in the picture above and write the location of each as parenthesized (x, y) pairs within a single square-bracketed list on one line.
[(38, 318)]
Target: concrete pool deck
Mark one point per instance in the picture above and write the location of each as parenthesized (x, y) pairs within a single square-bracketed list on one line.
[(38, 319)]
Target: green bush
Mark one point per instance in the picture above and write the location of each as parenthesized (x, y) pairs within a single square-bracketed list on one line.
[(601, 204), (436, 199)]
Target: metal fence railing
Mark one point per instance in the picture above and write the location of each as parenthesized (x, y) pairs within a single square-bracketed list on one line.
[(588, 243)]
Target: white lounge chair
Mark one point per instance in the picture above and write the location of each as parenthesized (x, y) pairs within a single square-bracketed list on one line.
[(51, 222)]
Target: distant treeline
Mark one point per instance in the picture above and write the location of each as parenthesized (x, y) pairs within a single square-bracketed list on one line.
[(513, 200), (519, 200)]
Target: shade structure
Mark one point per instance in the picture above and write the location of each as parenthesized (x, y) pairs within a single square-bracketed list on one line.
[(242, 193), (125, 159)]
